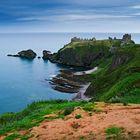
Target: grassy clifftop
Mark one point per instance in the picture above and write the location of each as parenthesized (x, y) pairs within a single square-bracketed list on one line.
[(87, 53)]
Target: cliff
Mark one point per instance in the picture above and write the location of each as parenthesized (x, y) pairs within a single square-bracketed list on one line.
[(84, 53), (118, 75)]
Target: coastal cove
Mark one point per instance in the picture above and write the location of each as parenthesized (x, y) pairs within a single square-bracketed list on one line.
[(23, 81)]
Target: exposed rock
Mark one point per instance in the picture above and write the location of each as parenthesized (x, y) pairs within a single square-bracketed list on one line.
[(46, 55), (29, 54), (38, 57), (120, 59), (66, 89), (64, 82), (67, 82), (13, 55)]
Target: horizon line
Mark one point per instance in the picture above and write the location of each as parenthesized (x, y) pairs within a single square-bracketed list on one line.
[(68, 32)]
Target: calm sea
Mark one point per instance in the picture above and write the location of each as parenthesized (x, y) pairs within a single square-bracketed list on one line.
[(23, 81)]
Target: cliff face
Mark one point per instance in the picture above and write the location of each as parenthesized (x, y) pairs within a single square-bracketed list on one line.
[(86, 53)]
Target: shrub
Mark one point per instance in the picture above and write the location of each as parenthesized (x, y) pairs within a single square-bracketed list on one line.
[(125, 103), (78, 116), (89, 107), (68, 111), (113, 130), (115, 99)]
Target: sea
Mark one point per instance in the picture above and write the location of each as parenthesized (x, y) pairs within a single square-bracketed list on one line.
[(22, 81)]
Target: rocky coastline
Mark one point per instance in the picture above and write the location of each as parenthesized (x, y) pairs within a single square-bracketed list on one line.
[(86, 53), (68, 82)]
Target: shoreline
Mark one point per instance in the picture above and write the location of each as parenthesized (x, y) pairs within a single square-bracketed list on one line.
[(70, 82)]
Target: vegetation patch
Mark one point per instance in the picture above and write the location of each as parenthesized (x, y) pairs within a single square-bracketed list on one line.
[(89, 106), (15, 136), (114, 130), (78, 116), (68, 111)]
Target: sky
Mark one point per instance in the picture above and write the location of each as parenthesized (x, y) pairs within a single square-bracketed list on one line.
[(70, 16)]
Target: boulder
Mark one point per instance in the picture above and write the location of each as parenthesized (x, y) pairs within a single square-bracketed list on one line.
[(28, 54)]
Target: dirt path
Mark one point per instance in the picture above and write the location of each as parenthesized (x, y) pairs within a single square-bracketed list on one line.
[(91, 126)]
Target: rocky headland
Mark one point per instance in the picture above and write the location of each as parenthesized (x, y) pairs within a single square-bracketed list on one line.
[(87, 52), (111, 59)]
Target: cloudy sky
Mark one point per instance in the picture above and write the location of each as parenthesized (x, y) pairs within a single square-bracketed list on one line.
[(70, 16)]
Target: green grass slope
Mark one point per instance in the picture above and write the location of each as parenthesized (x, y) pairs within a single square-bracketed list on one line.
[(118, 79)]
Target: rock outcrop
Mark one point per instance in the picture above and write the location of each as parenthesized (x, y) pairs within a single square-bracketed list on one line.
[(66, 82), (46, 55), (113, 50), (27, 54), (119, 59)]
